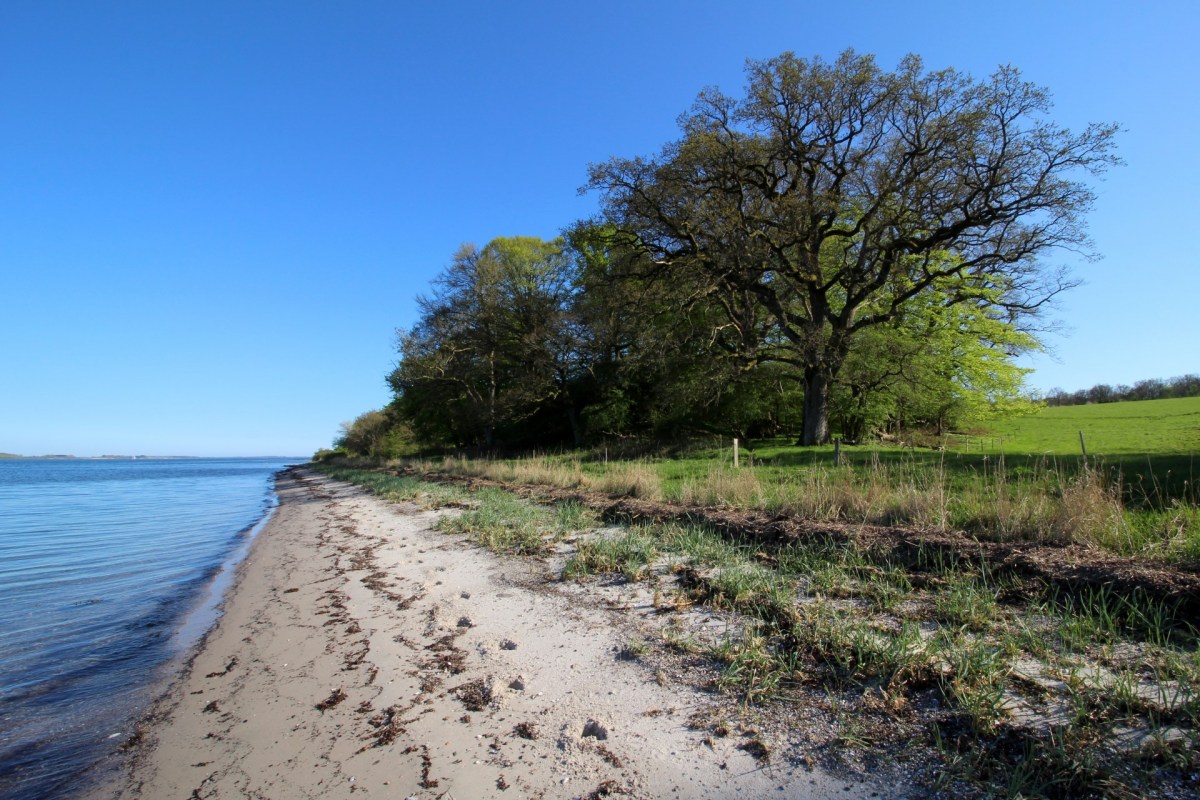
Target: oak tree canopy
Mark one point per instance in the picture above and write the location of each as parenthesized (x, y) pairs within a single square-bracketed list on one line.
[(836, 197)]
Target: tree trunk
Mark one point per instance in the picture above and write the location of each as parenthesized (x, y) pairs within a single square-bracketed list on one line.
[(489, 428), (572, 412), (854, 425), (816, 408), (576, 428)]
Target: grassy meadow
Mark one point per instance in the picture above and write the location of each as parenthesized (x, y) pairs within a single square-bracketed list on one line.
[(1136, 428)]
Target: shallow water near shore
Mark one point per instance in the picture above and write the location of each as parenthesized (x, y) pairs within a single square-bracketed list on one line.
[(109, 570)]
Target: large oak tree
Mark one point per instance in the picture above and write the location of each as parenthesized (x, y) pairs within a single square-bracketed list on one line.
[(834, 196)]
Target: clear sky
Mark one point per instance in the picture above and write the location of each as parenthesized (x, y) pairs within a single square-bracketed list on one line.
[(213, 216)]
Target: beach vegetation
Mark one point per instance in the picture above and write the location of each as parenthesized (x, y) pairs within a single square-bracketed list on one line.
[(1010, 681), (628, 554), (392, 487), (502, 522), (1142, 505)]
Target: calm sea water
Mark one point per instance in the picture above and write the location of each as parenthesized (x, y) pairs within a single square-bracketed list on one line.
[(107, 569)]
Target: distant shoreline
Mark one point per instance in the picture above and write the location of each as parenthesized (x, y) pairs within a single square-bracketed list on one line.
[(89, 458), (14, 457)]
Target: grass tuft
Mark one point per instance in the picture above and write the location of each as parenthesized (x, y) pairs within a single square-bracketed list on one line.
[(503, 522), (629, 554)]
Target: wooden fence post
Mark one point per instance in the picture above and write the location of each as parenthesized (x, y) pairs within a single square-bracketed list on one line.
[(735, 452)]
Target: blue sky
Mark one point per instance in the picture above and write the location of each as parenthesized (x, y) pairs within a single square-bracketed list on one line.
[(213, 216)]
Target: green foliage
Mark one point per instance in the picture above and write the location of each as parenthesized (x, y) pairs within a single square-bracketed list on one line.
[(755, 279), (365, 435), (492, 347), (835, 197), (939, 365), (374, 434), (529, 342), (653, 365)]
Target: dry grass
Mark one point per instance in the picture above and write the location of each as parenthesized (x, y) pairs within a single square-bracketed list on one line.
[(1090, 512), (725, 486), (541, 470), (1047, 507), (628, 478)]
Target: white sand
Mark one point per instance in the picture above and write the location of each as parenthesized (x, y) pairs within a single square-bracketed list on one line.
[(345, 594)]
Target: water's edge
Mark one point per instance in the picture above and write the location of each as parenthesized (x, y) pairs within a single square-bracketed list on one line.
[(197, 622), (105, 778)]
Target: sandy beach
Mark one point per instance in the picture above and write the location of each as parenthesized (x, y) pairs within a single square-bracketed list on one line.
[(361, 653)]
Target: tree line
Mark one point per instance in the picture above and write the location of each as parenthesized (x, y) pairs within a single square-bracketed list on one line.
[(842, 249), (1150, 389)]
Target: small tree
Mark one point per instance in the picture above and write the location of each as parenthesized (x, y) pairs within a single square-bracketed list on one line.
[(365, 435), (491, 346)]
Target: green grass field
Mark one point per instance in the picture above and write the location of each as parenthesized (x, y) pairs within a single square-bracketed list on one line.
[(1144, 427), (1150, 447)]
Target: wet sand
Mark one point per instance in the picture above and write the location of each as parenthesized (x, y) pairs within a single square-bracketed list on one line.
[(361, 653)]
